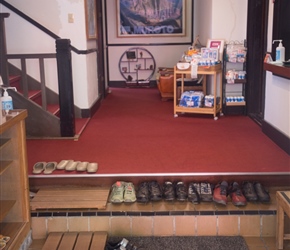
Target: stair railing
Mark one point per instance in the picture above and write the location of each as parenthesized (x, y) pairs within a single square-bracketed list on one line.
[(64, 68)]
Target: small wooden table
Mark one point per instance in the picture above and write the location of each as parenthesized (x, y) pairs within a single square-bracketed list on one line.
[(283, 206)]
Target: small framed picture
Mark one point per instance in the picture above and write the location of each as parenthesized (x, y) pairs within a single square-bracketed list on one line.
[(217, 44)]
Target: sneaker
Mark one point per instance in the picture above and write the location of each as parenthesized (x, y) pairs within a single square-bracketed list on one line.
[(220, 193), (249, 191), (155, 191), (236, 194), (262, 194), (180, 191), (117, 193), (205, 192), (168, 191), (129, 193), (143, 193), (193, 193)]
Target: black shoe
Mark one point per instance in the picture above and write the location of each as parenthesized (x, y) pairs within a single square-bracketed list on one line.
[(193, 192), (155, 192), (206, 191), (262, 194), (180, 190), (120, 245), (143, 193), (168, 191), (249, 191)]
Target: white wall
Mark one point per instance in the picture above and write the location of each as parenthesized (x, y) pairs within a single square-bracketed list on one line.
[(53, 14), (277, 96)]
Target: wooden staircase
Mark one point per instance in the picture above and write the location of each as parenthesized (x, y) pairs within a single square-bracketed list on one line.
[(41, 123)]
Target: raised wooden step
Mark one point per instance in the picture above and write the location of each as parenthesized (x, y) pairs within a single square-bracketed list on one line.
[(75, 241), (66, 198)]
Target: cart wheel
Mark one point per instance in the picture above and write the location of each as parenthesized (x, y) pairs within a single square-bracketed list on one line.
[(215, 118), (175, 115)]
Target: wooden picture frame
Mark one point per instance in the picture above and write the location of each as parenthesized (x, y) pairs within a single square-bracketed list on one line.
[(151, 18), (217, 44), (91, 23)]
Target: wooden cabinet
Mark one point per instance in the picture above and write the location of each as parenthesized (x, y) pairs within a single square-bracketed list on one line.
[(14, 188), (215, 72)]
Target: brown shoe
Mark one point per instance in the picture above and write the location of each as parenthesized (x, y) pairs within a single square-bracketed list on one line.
[(236, 194), (220, 193)]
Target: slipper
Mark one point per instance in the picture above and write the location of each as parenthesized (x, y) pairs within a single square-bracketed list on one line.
[(50, 167), (71, 166), (62, 164), (82, 166), (38, 167), (4, 238), (92, 167), (2, 244)]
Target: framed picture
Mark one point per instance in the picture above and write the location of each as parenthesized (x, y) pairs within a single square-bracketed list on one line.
[(151, 18), (217, 44), (91, 24)]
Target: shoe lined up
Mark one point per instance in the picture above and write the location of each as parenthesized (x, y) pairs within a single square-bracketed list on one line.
[(195, 192), (67, 165), (122, 192), (123, 244)]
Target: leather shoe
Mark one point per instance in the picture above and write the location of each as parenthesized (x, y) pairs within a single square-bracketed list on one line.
[(180, 191), (249, 191), (155, 191), (263, 195), (143, 192)]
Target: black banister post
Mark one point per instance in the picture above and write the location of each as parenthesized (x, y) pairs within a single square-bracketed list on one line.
[(65, 87), (3, 50)]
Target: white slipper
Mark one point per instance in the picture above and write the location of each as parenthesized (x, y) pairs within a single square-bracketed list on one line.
[(62, 164), (71, 166), (82, 166), (92, 167), (38, 167), (49, 167)]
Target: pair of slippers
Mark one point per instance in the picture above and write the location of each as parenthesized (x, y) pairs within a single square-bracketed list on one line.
[(44, 167), (70, 165)]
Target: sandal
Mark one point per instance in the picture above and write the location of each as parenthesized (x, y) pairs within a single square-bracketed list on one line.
[(71, 166), (92, 167), (62, 164), (82, 166), (49, 167), (38, 167)]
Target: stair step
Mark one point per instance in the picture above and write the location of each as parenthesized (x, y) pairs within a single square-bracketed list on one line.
[(14, 81), (53, 108)]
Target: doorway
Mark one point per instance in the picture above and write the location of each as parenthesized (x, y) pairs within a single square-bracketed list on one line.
[(257, 26)]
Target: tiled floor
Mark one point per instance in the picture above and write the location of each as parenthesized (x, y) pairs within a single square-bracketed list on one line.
[(254, 243), (256, 221)]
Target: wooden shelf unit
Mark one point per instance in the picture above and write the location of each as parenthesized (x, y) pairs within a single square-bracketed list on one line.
[(14, 188), (206, 71)]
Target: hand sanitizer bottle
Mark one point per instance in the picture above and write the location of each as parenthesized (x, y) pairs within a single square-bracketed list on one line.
[(6, 101), (280, 51)]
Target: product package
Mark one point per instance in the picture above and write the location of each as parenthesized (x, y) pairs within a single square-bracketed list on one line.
[(191, 99)]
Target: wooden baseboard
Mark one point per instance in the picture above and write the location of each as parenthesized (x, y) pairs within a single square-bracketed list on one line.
[(282, 140)]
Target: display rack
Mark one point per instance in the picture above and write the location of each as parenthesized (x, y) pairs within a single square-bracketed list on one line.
[(14, 188), (216, 73), (234, 82), (137, 66)]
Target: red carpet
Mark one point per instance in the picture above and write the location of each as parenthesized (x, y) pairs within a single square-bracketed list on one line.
[(135, 132)]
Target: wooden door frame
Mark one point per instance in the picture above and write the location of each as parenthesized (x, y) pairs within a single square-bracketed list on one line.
[(257, 27)]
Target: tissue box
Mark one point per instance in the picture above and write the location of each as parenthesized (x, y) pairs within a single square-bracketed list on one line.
[(191, 99)]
